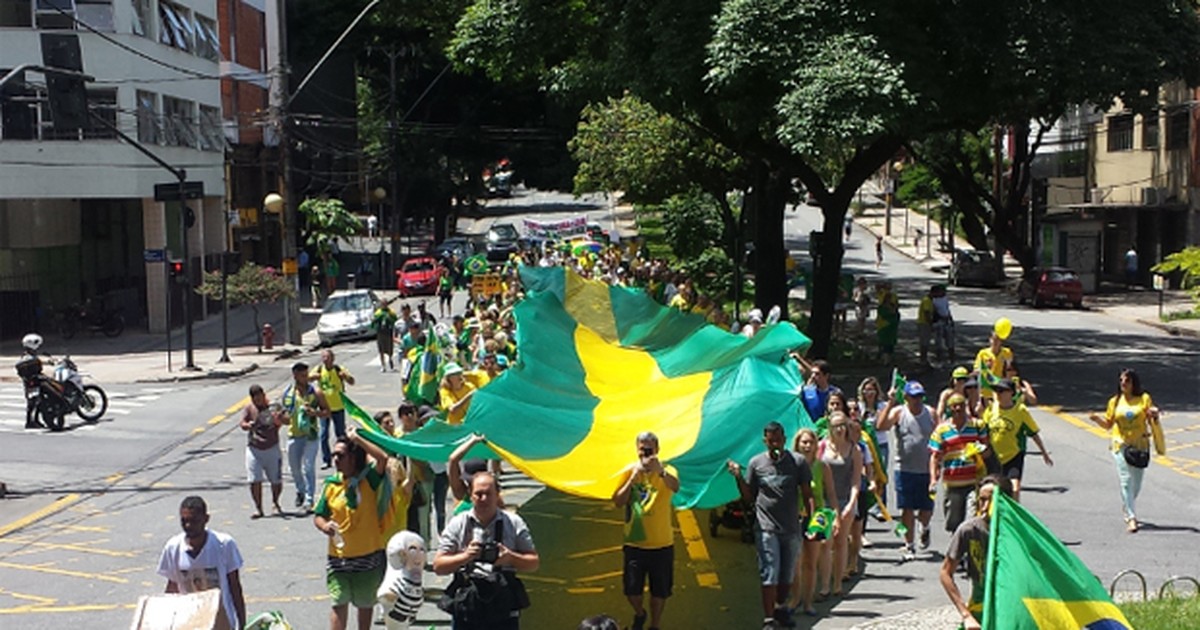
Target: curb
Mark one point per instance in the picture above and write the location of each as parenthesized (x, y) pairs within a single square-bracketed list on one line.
[(1177, 331), (196, 376), (925, 619)]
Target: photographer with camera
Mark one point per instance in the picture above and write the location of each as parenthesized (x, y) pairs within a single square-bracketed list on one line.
[(484, 548), (646, 489)]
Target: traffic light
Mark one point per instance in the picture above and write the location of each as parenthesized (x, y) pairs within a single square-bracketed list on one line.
[(175, 267)]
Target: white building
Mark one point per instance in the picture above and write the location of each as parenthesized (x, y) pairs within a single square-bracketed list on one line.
[(77, 210)]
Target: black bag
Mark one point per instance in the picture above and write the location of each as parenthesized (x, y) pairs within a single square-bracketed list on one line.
[(480, 599), (1136, 457)]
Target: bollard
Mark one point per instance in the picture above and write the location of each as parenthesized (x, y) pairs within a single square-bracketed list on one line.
[(268, 337), (350, 282)]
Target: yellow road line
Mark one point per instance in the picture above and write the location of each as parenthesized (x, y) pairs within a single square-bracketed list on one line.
[(238, 406), (1164, 460), (697, 550), (599, 577), (593, 552), (586, 590), (216, 419), (114, 478), (61, 504), (533, 577), (53, 571), (81, 548)]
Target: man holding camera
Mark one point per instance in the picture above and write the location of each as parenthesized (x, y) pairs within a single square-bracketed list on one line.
[(645, 492), (479, 546)]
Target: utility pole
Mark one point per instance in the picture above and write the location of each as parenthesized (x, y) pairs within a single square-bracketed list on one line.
[(392, 155), (291, 306)]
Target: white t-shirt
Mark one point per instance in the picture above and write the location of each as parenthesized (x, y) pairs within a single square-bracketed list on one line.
[(210, 569)]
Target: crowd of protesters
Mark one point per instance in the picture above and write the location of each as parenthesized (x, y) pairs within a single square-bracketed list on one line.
[(812, 496)]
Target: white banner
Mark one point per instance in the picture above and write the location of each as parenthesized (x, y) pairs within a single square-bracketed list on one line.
[(556, 229)]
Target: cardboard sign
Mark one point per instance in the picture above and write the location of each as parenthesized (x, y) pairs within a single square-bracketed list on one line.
[(172, 611), (487, 284)]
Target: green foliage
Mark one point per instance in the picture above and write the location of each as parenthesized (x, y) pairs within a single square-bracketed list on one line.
[(251, 285), (712, 272), (1187, 262), (372, 128), (327, 219), (917, 184), (692, 224), (1167, 613)]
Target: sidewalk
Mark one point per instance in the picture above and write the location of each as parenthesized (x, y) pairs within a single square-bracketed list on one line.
[(1137, 305)]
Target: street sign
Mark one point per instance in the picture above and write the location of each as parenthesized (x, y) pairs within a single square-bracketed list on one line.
[(290, 267), (170, 192), (154, 255)]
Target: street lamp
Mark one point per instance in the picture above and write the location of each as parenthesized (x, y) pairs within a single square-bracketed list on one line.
[(274, 204)]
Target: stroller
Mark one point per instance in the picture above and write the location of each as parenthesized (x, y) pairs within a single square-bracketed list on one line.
[(733, 515)]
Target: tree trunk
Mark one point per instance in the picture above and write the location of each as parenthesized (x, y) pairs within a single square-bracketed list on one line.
[(771, 187)]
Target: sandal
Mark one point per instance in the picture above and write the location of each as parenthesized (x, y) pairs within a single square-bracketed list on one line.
[(1131, 525)]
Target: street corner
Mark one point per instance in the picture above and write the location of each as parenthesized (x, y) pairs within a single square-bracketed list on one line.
[(1190, 328), (201, 374)]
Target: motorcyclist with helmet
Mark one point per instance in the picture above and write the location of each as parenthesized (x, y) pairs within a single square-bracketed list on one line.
[(30, 364)]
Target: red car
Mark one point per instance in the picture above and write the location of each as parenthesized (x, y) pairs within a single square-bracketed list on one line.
[(1057, 285), (418, 276)]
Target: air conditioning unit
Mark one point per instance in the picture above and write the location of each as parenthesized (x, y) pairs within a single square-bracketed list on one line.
[(1096, 195), (1150, 196)]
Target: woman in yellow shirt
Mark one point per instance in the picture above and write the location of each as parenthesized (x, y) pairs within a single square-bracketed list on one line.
[(454, 397), (1132, 416)]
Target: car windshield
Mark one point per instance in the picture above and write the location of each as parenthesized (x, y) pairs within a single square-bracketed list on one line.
[(346, 303), (1061, 276), (504, 232), (413, 267)]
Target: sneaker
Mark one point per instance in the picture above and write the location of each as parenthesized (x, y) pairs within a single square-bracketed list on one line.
[(908, 553), (866, 542), (769, 624), (299, 499), (783, 617), (639, 622), (923, 532)]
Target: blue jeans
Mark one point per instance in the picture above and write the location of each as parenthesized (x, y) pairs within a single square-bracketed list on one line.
[(1131, 483), (339, 429), (777, 555), (302, 460)]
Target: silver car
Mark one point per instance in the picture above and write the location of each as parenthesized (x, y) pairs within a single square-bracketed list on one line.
[(347, 315)]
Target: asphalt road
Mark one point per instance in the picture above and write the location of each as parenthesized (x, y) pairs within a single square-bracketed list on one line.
[(81, 543)]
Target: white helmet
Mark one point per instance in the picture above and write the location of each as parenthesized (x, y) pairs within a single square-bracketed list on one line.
[(32, 342)]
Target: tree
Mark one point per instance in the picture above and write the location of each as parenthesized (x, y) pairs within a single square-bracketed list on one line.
[(326, 220), (827, 91), (251, 285), (1187, 262)]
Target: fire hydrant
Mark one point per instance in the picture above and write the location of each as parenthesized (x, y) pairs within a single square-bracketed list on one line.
[(268, 337)]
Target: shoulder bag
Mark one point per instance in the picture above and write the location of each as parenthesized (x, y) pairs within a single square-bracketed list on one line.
[(475, 598)]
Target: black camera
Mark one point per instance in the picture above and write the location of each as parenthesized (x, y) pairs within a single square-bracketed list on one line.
[(489, 553), (647, 452)]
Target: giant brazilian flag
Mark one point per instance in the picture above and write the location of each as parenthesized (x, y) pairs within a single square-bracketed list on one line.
[(1033, 582), (598, 365)]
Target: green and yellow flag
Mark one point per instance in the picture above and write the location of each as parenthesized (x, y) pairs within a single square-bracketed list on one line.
[(599, 365), (1033, 582)]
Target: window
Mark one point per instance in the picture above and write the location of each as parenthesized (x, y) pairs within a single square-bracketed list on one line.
[(16, 13), (179, 124), (211, 137), (97, 14), (1178, 128), (147, 118), (1120, 133), (18, 110), (174, 26), (55, 14), (1150, 131), (103, 103), (207, 44), (141, 17)]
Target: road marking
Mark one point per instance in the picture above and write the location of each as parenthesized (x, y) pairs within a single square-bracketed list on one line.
[(697, 550), (238, 407), (586, 590), (61, 504), (594, 552), (1164, 460), (48, 569), (598, 578), (216, 419), (81, 548), (543, 579)]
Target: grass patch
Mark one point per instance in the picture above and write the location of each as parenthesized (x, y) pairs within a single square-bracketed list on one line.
[(1178, 315), (1169, 613)]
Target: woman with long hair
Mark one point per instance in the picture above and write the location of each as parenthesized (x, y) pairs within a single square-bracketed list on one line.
[(841, 452), (815, 550), (1132, 416)]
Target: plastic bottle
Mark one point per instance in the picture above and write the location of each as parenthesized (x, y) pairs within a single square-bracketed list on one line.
[(338, 541)]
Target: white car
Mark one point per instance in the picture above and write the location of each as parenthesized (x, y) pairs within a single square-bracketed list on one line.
[(347, 315)]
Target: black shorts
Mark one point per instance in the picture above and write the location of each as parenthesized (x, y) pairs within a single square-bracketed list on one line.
[(658, 564), (1014, 468)]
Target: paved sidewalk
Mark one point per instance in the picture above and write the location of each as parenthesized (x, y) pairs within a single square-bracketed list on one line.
[(1138, 305)]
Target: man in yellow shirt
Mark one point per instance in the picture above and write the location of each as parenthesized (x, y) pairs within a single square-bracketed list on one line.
[(995, 358), (332, 379), (1009, 423), (646, 489)]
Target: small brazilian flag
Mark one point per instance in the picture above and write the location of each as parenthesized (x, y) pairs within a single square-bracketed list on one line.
[(1033, 582), (898, 383)]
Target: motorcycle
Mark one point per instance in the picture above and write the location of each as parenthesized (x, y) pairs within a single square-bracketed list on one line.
[(48, 400), (76, 317)]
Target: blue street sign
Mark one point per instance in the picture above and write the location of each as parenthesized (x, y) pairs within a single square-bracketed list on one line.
[(154, 255)]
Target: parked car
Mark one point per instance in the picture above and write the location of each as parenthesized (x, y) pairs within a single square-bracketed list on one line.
[(418, 276), (502, 241), (1057, 285), (457, 246), (974, 267), (347, 315)]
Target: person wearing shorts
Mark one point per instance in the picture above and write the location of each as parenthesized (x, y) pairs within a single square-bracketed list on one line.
[(774, 483), (264, 458), (349, 515), (914, 425), (645, 493), (956, 456)]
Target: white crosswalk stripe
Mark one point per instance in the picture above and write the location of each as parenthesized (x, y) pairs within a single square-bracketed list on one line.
[(12, 406)]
